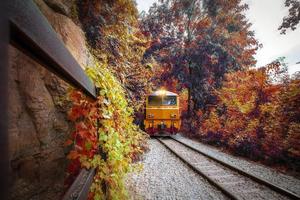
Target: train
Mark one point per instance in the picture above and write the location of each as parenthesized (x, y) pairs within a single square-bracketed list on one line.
[(162, 114)]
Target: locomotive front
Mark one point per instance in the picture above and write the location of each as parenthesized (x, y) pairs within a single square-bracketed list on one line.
[(162, 116)]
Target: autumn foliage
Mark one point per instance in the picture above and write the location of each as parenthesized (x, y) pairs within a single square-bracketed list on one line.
[(256, 115), (104, 137)]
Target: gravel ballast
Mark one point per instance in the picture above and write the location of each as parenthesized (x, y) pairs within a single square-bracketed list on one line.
[(282, 180), (166, 177)]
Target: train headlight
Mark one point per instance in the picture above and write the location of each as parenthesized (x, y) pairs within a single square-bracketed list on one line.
[(173, 115), (150, 116), (161, 92)]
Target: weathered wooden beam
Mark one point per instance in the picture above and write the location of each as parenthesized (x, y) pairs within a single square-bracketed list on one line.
[(31, 33)]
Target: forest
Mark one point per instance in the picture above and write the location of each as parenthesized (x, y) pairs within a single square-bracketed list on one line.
[(204, 51)]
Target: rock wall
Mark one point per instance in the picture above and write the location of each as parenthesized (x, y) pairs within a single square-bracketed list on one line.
[(38, 105)]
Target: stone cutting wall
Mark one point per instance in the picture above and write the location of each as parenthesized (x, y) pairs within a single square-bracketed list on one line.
[(38, 105)]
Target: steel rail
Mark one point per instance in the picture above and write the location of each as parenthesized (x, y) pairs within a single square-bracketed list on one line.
[(270, 185), (211, 181)]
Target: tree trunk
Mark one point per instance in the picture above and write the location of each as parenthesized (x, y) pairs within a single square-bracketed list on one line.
[(189, 38), (189, 103)]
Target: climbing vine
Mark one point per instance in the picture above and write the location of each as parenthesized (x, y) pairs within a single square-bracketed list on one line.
[(111, 147)]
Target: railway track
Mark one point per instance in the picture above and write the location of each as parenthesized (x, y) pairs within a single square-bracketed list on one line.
[(233, 182)]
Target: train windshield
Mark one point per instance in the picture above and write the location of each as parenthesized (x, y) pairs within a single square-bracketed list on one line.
[(169, 101), (154, 100), (160, 100)]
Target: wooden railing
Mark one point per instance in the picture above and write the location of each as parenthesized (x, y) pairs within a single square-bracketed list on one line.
[(31, 33)]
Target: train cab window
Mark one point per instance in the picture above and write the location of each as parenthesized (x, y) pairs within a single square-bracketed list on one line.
[(169, 101), (154, 100)]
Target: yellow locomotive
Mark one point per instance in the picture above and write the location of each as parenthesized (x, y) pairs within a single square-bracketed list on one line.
[(162, 114)]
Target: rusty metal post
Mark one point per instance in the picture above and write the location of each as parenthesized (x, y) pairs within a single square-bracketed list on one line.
[(4, 163)]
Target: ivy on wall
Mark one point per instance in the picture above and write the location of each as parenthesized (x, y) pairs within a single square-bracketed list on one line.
[(111, 147)]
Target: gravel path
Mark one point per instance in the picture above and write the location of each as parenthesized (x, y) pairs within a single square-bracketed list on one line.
[(239, 185), (166, 177), (266, 173)]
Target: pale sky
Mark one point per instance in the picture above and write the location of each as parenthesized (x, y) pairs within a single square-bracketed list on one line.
[(265, 16)]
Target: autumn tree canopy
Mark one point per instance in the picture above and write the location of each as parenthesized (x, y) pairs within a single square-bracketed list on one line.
[(197, 42)]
